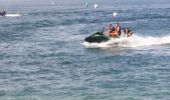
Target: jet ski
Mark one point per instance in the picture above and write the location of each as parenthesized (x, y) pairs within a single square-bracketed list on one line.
[(99, 37), (103, 36)]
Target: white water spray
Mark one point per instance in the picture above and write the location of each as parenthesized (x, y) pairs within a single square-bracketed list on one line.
[(137, 41), (12, 15), (134, 41)]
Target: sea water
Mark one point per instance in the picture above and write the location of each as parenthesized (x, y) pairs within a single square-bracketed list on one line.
[(43, 54)]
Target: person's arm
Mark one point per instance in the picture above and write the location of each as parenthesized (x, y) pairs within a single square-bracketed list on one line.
[(131, 33), (117, 29)]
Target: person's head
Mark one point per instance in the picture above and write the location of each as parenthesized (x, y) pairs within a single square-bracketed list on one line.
[(126, 29), (109, 24), (117, 24)]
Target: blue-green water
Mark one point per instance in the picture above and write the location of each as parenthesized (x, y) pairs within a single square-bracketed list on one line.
[(42, 55)]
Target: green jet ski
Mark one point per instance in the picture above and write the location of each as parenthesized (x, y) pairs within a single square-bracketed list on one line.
[(99, 37)]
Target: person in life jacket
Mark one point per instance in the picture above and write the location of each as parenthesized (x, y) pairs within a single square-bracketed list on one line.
[(113, 30), (117, 29), (127, 32), (109, 29)]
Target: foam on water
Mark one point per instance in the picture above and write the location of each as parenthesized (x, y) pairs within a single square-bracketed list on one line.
[(137, 41), (12, 15), (134, 41)]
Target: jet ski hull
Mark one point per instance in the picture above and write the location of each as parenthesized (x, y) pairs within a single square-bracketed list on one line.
[(98, 37)]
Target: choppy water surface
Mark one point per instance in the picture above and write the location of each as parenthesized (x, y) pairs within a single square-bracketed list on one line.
[(43, 54)]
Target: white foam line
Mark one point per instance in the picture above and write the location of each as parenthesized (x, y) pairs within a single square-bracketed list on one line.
[(12, 15), (134, 41)]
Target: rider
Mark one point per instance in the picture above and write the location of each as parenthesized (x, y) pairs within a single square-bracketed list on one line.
[(117, 29), (114, 30), (109, 27), (127, 32)]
